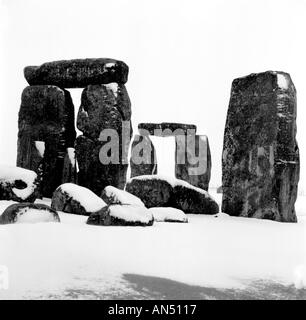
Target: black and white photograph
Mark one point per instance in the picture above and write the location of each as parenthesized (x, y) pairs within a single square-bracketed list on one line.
[(152, 150)]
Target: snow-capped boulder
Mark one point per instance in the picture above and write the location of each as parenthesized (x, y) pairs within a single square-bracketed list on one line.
[(122, 215), (168, 214), (72, 198), (18, 184), (4, 204), (158, 191), (112, 195), (28, 213)]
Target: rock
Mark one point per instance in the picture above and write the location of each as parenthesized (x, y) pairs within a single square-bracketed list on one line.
[(112, 195), (168, 214), (102, 152), (28, 213), (4, 204), (166, 129), (77, 73), (260, 165), (72, 198), (18, 184), (46, 130), (193, 160), (157, 191), (153, 190), (70, 167), (143, 157), (122, 215)]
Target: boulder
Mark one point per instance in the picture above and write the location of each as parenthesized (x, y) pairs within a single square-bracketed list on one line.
[(18, 184), (46, 130), (157, 191), (260, 163), (193, 160), (28, 213), (143, 157), (121, 215), (166, 129), (112, 195), (168, 214), (72, 198), (77, 73)]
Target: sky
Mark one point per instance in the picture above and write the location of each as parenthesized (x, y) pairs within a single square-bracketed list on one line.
[(182, 55)]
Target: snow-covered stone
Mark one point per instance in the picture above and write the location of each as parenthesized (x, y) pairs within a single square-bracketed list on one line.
[(122, 215), (112, 195), (161, 191), (72, 198), (168, 214), (28, 213), (18, 184)]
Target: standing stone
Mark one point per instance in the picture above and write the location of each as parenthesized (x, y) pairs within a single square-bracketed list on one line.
[(46, 130), (143, 156), (193, 160), (77, 73), (260, 155), (166, 129), (70, 167), (103, 107)]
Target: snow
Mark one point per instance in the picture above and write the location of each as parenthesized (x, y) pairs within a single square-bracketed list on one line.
[(60, 258), (282, 81), (27, 215), (71, 155), (4, 204), (89, 200), (40, 146), (113, 86), (122, 197), (11, 174), (162, 214), (131, 213), (222, 215)]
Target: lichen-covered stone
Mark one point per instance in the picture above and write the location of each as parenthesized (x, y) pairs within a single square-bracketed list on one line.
[(260, 155), (77, 73)]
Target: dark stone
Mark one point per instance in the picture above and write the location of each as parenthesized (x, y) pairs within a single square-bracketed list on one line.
[(193, 160), (70, 167), (142, 150), (46, 116), (155, 191), (260, 155), (18, 184), (64, 201), (166, 129), (103, 108), (77, 73), (15, 212), (108, 216)]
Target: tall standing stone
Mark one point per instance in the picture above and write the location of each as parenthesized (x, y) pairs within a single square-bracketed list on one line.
[(193, 160), (143, 156), (104, 108), (260, 161), (46, 130)]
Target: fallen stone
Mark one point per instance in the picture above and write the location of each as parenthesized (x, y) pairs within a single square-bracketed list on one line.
[(122, 215), (72, 198), (143, 157), (28, 213), (18, 184), (112, 195), (260, 165), (166, 129), (168, 214), (77, 73)]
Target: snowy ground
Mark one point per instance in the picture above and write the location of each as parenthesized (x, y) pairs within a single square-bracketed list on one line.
[(214, 258)]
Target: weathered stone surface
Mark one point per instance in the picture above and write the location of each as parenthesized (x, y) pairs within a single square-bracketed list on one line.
[(28, 213), (143, 156), (70, 167), (193, 160), (260, 154), (112, 195), (18, 184), (157, 191), (72, 198), (166, 129), (46, 130), (122, 215), (103, 107), (77, 73)]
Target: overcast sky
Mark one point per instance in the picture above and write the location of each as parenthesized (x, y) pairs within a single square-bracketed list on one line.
[(183, 55)]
